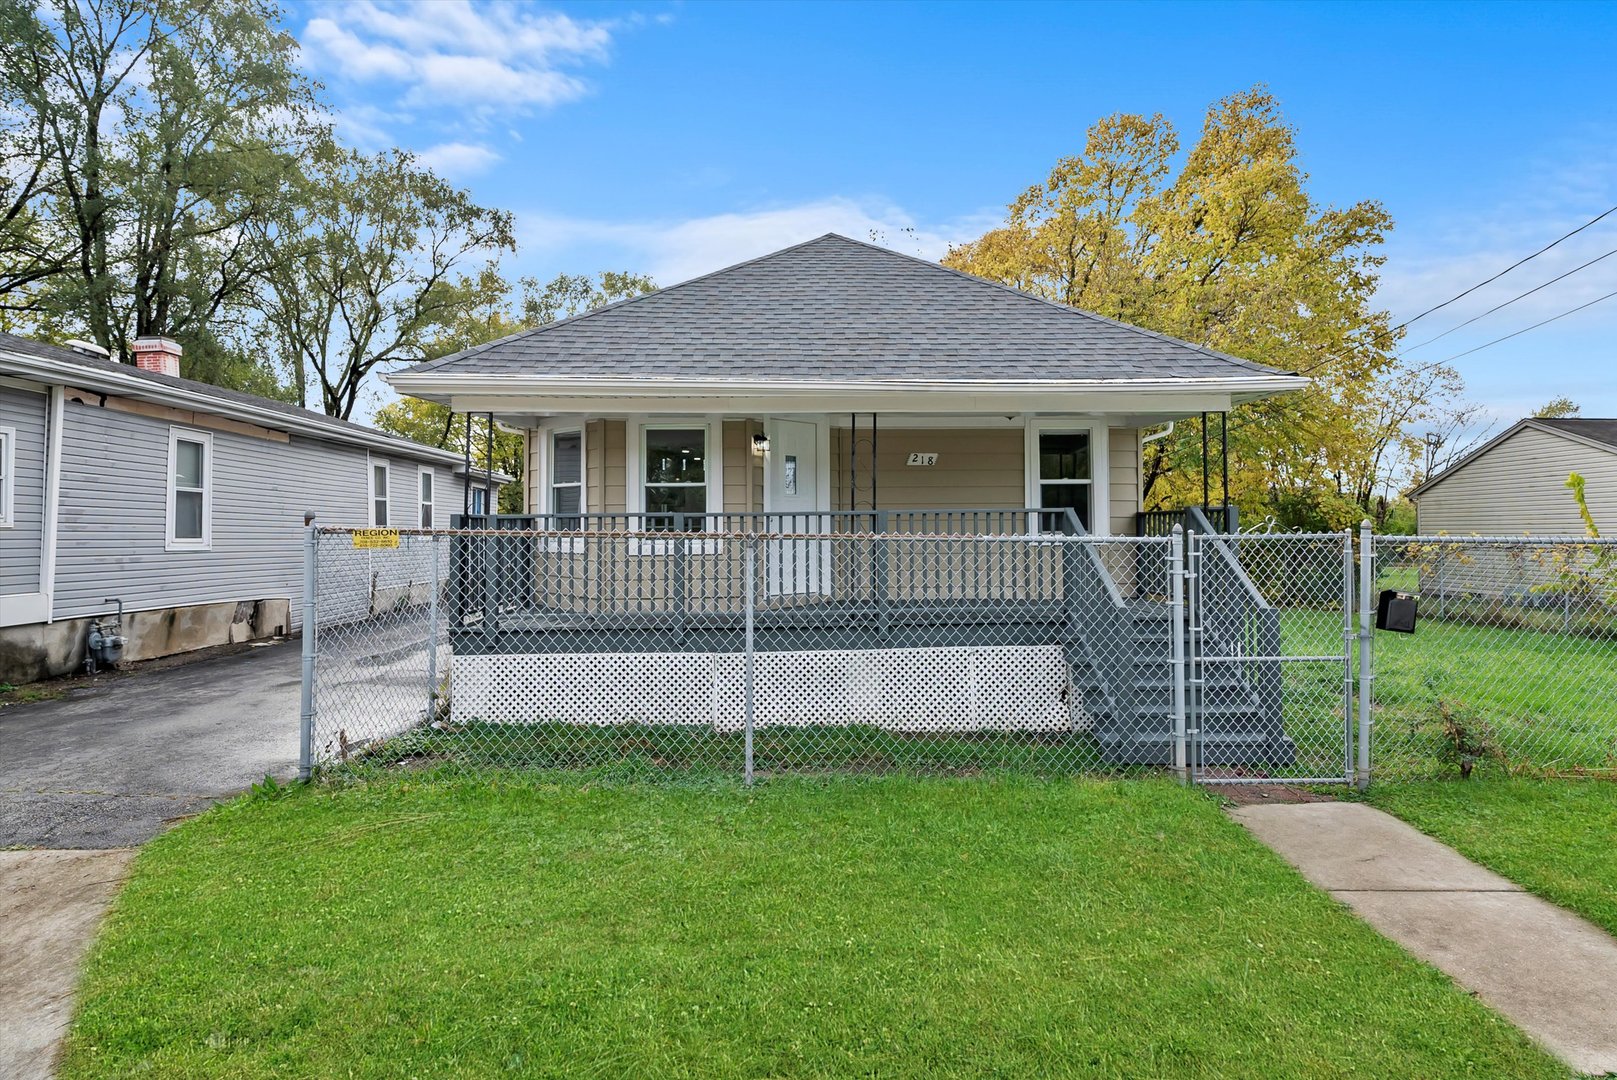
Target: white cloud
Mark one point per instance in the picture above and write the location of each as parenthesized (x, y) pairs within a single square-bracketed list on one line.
[(458, 160), (491, 59), (672, 251)]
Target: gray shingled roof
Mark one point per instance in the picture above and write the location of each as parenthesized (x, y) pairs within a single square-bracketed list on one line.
[(345, 430), (835, 309), (1598, 430)]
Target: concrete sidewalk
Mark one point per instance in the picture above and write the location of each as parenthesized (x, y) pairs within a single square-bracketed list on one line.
[(1553, 974), (50, 905)]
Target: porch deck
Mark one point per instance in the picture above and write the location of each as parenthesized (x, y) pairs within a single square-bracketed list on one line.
[(615, 600)]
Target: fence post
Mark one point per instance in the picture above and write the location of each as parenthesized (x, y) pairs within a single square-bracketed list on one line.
[(1367, 574), (432, 632), (748, 593), (1176, 608), (310, 630)]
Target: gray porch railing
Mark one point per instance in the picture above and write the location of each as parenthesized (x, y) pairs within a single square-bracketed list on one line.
[(1222, 519)]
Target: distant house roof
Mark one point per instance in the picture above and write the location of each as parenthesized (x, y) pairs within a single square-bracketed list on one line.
[(1598, 434), (838, 311), (1594, 430), (54, 363)]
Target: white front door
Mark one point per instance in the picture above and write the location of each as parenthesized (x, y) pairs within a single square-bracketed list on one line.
[(795, 501)]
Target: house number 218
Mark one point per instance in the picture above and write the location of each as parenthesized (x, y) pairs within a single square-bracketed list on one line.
[(923, 459)]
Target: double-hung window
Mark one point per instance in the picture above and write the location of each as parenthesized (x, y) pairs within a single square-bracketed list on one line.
[(566, 478), (190, 490), (424, 495), (674, 475), (379, 508), (8, 467), (1066, 478)]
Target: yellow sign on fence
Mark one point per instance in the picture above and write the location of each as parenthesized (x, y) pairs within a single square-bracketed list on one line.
[(376, 538)]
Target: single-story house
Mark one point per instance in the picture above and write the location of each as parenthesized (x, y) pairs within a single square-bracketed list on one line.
[(1515, 484), (180, 501), (837, 387)]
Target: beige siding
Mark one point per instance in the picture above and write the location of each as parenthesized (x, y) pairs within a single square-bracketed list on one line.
[(976, 470), (1123, 452), (743, 469), (1519, 486), (531, 479)]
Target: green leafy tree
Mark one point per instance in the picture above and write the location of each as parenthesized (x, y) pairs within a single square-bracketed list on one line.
[(362, 268), (491, 310), (1557, 408), (1224, 246), (166, 126)]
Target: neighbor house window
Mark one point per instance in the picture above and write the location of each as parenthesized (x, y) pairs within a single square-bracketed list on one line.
[(190, 489), (675, 475), (1065, 477), (425, 497), (8, 466), (379, 477), (567, 477)]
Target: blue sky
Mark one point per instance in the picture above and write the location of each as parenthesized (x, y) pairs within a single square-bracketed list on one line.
[(672, 139)]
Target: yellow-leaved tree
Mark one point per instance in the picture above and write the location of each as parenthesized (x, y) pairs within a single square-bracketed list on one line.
[(1222, 245)]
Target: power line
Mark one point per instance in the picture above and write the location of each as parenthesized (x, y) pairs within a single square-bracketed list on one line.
[(1508, 269), (1511, 301), (1535, 326)]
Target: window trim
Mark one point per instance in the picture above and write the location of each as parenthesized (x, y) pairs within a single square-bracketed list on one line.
[(712, 429), (422, 472), (8, 477), (176, 435), (1100, 501), (371, 465), (545, 495)]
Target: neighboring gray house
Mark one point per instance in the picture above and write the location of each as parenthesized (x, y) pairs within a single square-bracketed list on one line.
[(1516, 483), (184, 501)]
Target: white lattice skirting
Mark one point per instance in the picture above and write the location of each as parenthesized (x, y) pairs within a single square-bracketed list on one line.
[(986, 689)]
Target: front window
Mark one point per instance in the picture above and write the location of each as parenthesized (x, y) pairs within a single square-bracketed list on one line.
[(1065, 479), (379, 495), (675, 475), (567, 477), (189, 498)]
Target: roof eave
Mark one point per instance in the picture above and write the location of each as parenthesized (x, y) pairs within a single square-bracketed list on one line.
[(65, 374), (444, 388)]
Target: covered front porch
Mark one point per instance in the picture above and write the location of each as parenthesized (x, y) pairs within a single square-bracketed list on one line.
[(910, 472)]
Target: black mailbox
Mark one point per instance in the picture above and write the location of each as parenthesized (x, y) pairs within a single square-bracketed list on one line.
[(1396, 612)]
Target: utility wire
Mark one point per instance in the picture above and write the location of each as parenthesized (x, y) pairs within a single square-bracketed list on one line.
[(1512, 300), (1508, 269), (1535, 326)]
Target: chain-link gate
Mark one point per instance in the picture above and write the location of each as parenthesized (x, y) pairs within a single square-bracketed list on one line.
[(1270, 643)]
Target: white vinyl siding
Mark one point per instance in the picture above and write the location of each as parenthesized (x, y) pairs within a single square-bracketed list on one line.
[(190, 490)]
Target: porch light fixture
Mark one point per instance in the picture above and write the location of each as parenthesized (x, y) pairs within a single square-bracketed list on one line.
[(760, 444)]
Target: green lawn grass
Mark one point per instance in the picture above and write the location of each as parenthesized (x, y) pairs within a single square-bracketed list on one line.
[(1557, 838), (1548, 701), (809, 927)]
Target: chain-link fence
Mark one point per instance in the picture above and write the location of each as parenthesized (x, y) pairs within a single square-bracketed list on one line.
[(1513, 663), (1235, 659), (1272, 670)]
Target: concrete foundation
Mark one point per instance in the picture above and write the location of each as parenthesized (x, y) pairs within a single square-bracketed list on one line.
[(45, 650)]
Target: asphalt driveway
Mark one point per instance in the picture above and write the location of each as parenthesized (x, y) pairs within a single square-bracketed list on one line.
[(108, 765)]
